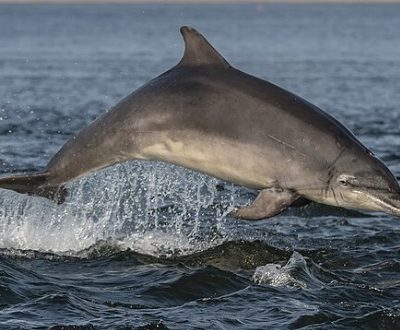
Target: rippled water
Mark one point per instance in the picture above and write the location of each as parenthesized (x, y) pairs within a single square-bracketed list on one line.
[(149, 245)]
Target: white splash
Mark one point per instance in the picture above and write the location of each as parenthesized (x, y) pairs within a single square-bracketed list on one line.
[(152, 208), (281, 276)]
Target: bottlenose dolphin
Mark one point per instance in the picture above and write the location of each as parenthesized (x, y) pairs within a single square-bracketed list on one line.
[(206, 115)]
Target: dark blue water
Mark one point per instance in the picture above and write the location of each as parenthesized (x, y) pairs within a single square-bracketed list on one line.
[(149, 245)]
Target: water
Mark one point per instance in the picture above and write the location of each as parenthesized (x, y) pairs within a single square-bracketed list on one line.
[(150, 245)]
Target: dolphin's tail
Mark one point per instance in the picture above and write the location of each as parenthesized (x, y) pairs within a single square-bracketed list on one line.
[(34, 184)]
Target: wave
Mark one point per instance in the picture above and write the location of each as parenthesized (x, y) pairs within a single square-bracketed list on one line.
[(234, 255), (263, 263)]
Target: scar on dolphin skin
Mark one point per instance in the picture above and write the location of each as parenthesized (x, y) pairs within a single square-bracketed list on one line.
[(285, 144), (209, 98), (282, 142)]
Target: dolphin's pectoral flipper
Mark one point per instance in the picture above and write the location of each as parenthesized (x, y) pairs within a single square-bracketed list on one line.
[(34, 184), (268, 203)]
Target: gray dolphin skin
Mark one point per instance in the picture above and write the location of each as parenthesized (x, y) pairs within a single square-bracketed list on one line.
[(205, 115)]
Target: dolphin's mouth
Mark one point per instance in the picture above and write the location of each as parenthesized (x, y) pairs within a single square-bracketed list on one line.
[(383, 201)]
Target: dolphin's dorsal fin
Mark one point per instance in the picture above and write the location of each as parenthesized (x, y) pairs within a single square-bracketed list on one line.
[(198, 50)]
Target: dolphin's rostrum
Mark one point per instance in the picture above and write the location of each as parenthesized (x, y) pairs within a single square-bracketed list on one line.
[(206, 115)]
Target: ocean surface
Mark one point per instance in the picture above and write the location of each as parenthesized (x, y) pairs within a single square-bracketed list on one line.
[(151, 246)]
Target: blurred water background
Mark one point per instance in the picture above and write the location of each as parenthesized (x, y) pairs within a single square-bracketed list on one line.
[(150, 245)]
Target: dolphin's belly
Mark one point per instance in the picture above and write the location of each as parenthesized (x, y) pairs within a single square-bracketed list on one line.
[(246, 165)]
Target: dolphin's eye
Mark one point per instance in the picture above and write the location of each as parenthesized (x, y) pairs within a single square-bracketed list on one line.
[(346, 180)]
